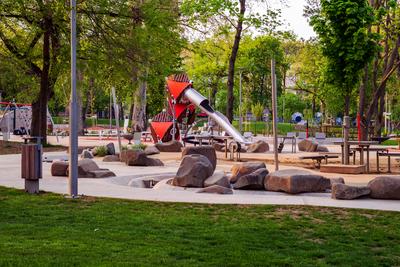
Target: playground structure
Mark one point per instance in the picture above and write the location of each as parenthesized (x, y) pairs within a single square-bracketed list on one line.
[(16, 118), (180, 114)]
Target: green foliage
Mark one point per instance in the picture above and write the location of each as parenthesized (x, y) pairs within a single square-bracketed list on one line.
[(291, 103), (342, 27), (257, 110), (101, 151)]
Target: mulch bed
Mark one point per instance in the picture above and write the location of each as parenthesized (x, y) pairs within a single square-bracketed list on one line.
[(7, 148)]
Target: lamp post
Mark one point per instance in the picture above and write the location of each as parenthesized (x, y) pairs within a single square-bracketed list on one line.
[(73, 114), (240, 103), (274, 114)]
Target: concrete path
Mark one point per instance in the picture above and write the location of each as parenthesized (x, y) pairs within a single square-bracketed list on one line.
[(10, 177)]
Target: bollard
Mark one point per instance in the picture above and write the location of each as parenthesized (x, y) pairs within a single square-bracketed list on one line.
[(31, 164), (346, 147)]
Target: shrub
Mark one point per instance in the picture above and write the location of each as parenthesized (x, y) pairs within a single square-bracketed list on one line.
[(101, 151)]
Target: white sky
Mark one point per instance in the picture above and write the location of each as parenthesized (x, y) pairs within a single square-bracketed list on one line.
[(292, 16)]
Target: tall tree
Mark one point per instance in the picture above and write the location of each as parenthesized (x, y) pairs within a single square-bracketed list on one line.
[(342, 27), (228, 16), (32, 35)]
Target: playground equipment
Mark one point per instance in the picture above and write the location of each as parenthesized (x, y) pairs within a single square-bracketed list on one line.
[(180, 114), (16, 118)]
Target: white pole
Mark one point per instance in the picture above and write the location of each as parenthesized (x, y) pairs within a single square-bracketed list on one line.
[(274, 114), (116, 112), (240, 104), (73, 114)]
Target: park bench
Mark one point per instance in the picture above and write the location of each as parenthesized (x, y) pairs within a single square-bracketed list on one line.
[(387, 154), (317, 159)]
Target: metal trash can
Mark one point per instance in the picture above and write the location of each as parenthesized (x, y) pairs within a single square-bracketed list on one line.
[(31, 164)]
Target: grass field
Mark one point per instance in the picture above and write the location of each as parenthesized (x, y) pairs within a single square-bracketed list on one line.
[(49, 230)]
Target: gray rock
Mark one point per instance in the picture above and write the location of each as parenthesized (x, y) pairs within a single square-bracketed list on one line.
[(139, 158), (307, 146), (151, 150), (86, 154), (322, 149), (172, 146), (252, 181), (241, 169), (59, 168), (295, 181), (385, 187), (101, 173), (207, 151), (342, 191), (216, 189), (110, 149), (193, 171), (111, 158), (88, 168), (338, 180), (218, 178), (258, 147)]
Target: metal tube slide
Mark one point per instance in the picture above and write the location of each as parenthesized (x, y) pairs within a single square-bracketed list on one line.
[(203, 103)]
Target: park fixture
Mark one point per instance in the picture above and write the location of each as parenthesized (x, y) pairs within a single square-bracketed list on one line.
[(31, 164)]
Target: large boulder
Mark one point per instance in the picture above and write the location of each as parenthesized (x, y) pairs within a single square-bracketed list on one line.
[(258, 147), (385, 187), (218, 178), (252, 181), (172, 146), (110, 149), (245, 168), (86, 154), (342, 191), (85, 166), (322, 149), (193, 171), (296, 181), (216, 189), (206, 151), (88, 168), (307, 146), (338, 180), (151, 150), (111, 158), (59, 168), (139, 158)]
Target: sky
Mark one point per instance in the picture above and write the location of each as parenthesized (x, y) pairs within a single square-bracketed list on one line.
[(292, 16)]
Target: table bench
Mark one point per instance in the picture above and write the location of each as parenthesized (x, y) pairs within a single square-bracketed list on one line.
[(386, 154), (317, 159)]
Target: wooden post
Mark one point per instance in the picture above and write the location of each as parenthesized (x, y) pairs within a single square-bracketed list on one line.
[(346, 129), (274, 114)]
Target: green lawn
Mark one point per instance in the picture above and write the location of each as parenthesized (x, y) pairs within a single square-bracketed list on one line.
[(49, 230)]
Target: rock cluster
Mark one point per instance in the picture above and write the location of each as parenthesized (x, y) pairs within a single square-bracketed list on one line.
[(310, 146), (87, 168)]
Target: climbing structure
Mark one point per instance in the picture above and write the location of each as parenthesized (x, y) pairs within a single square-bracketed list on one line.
[(180, 112)]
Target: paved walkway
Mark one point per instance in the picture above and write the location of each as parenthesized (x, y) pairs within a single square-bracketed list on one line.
[(10, 177)]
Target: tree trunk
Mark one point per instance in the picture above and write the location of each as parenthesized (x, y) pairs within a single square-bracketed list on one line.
[(361, 104), (232, 60), (39, 107), (139, 111), (347, 104)]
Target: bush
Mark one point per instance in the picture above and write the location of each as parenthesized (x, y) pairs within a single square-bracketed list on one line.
[(101, 151)]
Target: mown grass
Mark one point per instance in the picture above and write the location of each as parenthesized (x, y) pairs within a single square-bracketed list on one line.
[(390, 143), (49, 230)]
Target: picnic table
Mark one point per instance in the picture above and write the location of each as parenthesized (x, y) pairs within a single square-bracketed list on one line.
[(318, 159), (361, 146), (388, 154), (224, 139)]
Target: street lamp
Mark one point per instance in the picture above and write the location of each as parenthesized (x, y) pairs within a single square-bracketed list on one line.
[(73, 114)]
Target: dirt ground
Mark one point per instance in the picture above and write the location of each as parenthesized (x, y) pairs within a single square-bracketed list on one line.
[(7, 148)]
